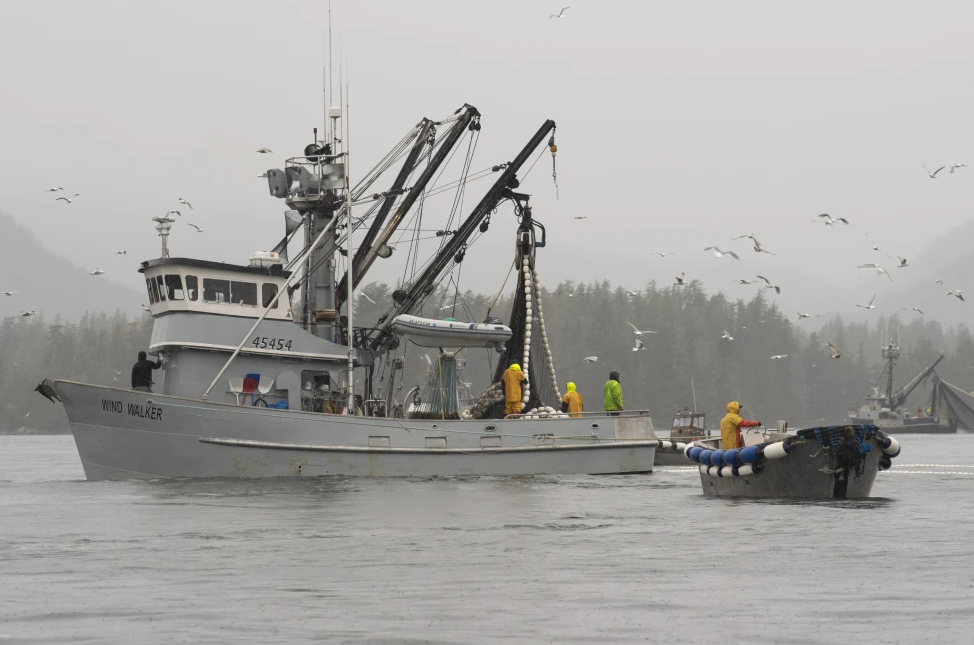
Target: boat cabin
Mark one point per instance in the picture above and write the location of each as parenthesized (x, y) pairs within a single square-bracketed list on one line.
[(184, 284), (688, 424)]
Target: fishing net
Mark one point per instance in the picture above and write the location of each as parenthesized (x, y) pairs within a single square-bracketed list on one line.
[(846, 447), (439, 399), (954, 403), (529, 348)]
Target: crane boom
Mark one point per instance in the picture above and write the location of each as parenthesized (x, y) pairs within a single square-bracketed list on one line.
[(899, 398)]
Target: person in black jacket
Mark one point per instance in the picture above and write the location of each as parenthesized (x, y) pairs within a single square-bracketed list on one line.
[(142, 373)]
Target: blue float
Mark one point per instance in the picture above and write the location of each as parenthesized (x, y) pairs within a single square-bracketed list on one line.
[(717, 458), (732, 457), (704, 457), (694, 453), (751, 454)]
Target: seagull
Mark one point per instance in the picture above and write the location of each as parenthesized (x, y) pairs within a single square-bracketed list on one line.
[(639, 346), (54, 190), (636, 331), (97, 271), (31, 312), (48, 389), (719, 254), (727, 336), (121, 252), (168, 213), (163, 220), (933, 175), (878, 269), (663, 255), (429, 361), (10, 293), (185, 202), (834, 350), (146, 308), (939, 280), (956, 293), (591, 359), (198, 229), (362, 294), (681, 280), (779, 356), (828, 220), (903, 262), (875, 246), (871, 305), (956, 165), (560, 14), (801, 315), (631, 294), (768, 285), (913, 309), (264, 151), (741, 237), (743, 281), (65, 199), (581, 217), (760, 249), (262, 176)]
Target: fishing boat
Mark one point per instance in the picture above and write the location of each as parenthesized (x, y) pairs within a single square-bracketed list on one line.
[(831, 462), (687, 427), (886, 410), (264, 373)]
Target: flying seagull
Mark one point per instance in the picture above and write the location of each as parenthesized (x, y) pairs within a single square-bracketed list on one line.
[(828, 220), (939, 280), (871, 305), (956, 293), (581, 217), (146, 308), (639, 346), (743, 281), (362, 294), (727, 336), (760, 249), (741, 237), (65, 199), (168, 213), (801, 315), (834, 350), (591, 359), (264, 151), (97, 271), (876, 267), (121, 252), (54, 190), (198, 229), (768, 285), (185, 202), (262, 176), (871, 241), (956, 165), (636, 331), (719, 254), (663, 255), (779, 356), (681, 280), (560, 14), (27, 314), (10, 293), (933, 175), (913, 309), (902, 262), (48, 389), (163, 220), (631, 294)]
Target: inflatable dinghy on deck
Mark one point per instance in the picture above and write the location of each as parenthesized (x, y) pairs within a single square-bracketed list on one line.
[(428, 332)]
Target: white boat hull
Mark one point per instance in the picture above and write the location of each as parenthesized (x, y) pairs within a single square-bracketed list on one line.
[(121, 434)]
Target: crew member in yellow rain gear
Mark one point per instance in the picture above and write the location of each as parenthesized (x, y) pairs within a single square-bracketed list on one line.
[(730, 425), (513, 376), (572, 402)]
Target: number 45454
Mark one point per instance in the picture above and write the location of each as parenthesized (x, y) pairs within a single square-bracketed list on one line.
[(263, 342)]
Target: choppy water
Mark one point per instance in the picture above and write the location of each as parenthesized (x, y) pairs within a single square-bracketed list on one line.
[(538, 560)]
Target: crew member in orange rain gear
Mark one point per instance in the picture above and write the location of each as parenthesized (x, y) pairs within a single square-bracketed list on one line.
[(730, 425), (513, 376), (572, 402)]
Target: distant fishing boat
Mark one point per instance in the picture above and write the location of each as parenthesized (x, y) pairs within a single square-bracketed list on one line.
[(687, 427)]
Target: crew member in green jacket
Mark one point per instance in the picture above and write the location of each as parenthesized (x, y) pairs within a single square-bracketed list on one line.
[(612, 395)]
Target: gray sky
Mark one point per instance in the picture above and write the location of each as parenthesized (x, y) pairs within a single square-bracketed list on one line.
[(680, 124)]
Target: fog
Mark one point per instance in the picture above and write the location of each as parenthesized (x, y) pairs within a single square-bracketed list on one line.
[(680, 125)]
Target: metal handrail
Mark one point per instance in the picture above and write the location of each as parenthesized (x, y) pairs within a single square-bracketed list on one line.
[(600, 414)]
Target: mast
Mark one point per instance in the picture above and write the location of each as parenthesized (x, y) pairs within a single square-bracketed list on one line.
[(891, 352), (406, 300)]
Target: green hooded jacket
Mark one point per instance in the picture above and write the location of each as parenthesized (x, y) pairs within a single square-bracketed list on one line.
[(612, 395)]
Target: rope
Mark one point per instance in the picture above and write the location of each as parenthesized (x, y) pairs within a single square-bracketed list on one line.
[(498, 296)]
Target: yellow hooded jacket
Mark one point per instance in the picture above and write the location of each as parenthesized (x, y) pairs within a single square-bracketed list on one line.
[(574, 401), (730, 425), (512, 384)]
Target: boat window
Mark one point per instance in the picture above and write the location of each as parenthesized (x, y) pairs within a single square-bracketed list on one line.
[(192, 287), (697, 422), (267, 293), (161, 287), (243, 293), (216, 290), (148, 285), (677, 422), (174, 287)]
